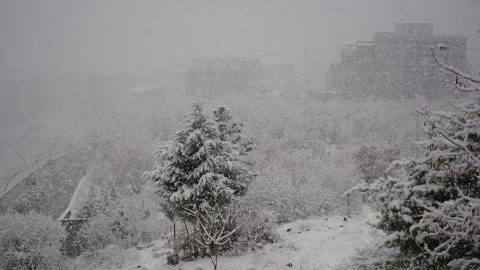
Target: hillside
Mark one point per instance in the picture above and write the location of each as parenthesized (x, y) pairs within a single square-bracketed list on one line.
[(50, 187)]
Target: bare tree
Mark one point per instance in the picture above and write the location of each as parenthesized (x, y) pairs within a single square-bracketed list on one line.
[(28, 167), (50, 151), (214, 227), (8, 179), (70, 138)]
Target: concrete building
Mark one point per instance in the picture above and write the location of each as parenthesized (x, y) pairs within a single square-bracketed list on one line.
[(397, 64)]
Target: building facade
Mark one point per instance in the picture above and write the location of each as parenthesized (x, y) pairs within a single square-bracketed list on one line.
[(397, 64)]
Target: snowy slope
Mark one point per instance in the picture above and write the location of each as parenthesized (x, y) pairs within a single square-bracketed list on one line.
[(308, 244)]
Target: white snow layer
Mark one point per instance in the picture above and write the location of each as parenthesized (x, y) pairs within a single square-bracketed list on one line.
[(80, 194), (321, 243)]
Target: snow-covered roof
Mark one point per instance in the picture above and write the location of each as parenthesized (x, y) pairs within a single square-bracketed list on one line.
[(81, 192)]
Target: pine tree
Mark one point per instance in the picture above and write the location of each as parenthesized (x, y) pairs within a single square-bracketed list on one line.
[(433, 214), (230, 131), (201, 158)]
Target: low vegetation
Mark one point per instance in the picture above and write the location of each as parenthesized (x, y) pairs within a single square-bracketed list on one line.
[(224, 182)]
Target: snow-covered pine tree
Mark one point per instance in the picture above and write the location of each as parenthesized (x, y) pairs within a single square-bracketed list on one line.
[(198, 160), (230, 131), (433, 214)]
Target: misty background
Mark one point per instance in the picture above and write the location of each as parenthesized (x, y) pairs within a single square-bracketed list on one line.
[(67, 68), (325, 94), (83, 34)]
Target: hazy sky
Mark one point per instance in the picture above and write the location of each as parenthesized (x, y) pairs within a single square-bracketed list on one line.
[(122, 33)]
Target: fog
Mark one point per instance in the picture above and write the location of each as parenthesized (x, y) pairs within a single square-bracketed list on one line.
[(65, 63), (114, 114), (69, 65), (78, 34)]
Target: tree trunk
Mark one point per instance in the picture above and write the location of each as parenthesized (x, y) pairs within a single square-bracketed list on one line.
[(189, 240)]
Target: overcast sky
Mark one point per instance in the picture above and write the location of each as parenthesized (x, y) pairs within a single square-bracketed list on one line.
[(124, 33)]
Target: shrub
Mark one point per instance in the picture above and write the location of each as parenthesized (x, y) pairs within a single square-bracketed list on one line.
[(30, 241), (372, 161)]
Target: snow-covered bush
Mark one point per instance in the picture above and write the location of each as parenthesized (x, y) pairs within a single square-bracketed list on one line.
[(97, 232), (127, 162), (120, 208), (30, 241), (118, 217), (296, 186), (139, 215), (258, 228), (372, 161), (29, 200), (304, 150), (183, 245)]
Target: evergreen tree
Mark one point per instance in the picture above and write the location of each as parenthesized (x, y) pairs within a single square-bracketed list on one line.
[(433, 214), (201, 158), (230, 131)]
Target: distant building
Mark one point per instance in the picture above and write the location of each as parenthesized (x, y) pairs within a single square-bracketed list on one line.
[(260, 75), (220, 75), (396, 64)]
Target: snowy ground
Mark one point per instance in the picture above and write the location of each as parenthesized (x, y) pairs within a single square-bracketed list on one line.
[(309, 244)]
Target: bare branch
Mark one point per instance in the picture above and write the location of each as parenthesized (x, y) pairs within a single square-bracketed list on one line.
[(10, 178)]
